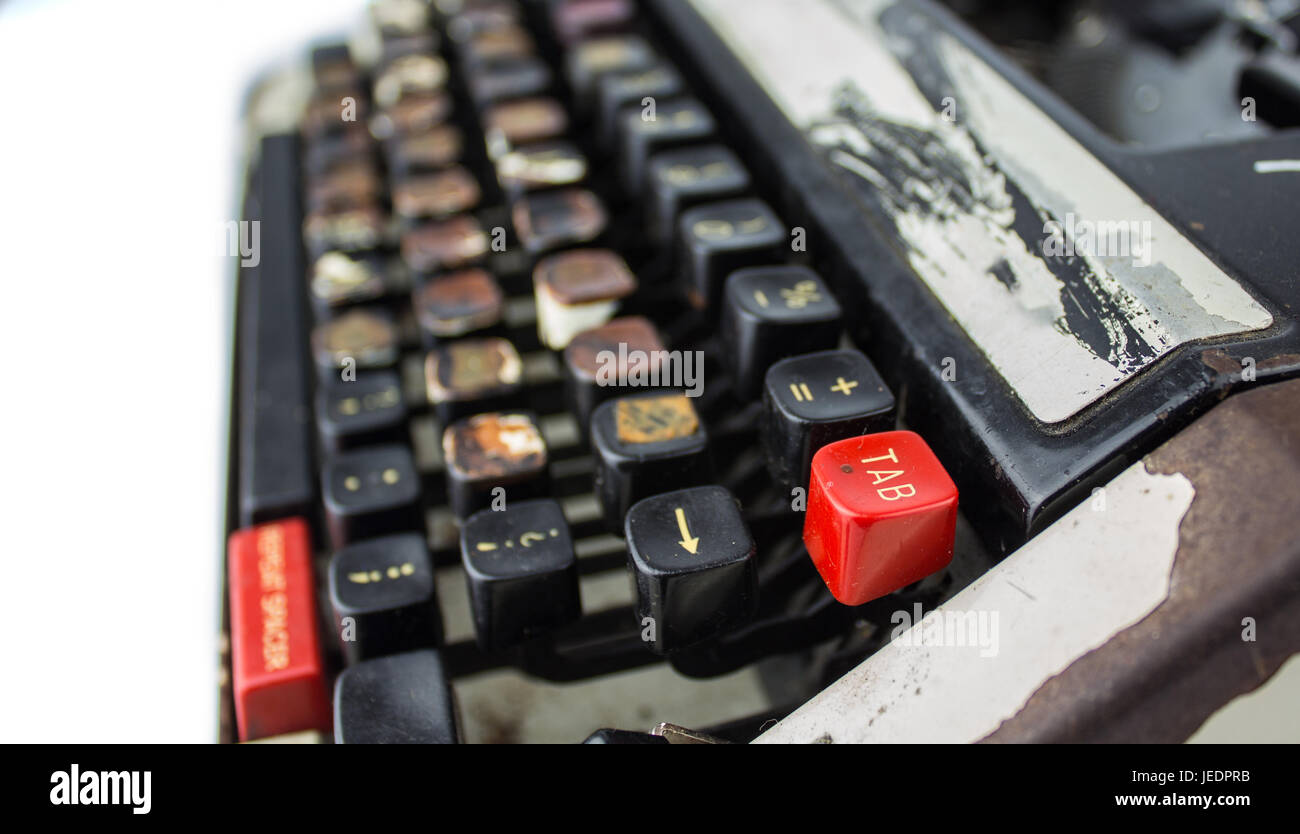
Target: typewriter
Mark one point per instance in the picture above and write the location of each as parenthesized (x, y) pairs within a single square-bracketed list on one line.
[(717, 371)]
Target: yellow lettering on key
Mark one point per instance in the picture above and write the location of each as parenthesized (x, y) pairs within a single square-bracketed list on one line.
[(844, 386), (897, 491), (890, 474), (889, 456)]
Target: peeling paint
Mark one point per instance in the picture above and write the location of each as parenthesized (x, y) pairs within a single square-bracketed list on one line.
[(980, 201)]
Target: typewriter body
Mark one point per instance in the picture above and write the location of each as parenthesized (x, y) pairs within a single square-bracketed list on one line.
[(719, 371)]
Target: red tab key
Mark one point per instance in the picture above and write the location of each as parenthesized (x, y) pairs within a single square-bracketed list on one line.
[(279, 681), (881, 515)]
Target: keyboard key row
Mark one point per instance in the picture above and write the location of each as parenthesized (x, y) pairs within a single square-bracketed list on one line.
[(690, 551)]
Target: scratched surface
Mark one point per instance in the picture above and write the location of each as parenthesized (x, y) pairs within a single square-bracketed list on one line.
[(1063, 276)]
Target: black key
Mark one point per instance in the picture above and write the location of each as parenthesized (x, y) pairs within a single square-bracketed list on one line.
[(607, 736), (588, 61), (456, 303), (370, 492), (551, 219), (645, 444), (716, 239), (362, 412), (509, 78), (616, 91), (347, 185), (522, 571), (693, 560), (467, 18), (816, 399), (643, 133), (383, 596), (399, 45), (491, 460), (355, 340), (353, 143), (772, 312), (275, 459), (472, 376), (600, 363), (683, 177), (400, 699)]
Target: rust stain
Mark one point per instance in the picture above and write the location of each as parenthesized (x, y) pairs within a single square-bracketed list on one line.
[(655, 419), (1238, 556)]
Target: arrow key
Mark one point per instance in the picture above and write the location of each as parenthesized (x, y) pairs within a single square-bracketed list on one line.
[(693, 561)]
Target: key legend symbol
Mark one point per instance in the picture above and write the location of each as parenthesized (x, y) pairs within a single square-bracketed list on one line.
[(801, 295), (844, 386), (801, 392), (690, 543)]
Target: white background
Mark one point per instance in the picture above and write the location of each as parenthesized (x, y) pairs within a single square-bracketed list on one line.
[(119, 163)]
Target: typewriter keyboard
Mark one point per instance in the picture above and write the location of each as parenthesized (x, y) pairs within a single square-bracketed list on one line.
[(535, 387)]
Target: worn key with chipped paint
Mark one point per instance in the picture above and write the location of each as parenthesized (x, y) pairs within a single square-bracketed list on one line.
[(645, 444), (615, 358), (577, 290), (493, 459), (455, 303), (469, 376)]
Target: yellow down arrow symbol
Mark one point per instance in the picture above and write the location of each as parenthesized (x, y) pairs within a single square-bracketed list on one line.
[(691, 544)]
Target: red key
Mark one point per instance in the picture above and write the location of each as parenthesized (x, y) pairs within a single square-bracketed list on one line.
[(881, 515), (278, 676)]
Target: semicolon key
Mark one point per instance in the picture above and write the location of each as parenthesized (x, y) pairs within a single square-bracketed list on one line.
[(383, 597), (521, 570)]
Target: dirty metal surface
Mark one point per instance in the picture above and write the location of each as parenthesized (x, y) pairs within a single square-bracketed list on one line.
[(1238, 560)]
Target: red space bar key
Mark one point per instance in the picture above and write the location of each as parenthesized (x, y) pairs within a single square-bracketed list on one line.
[(279, 680)]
